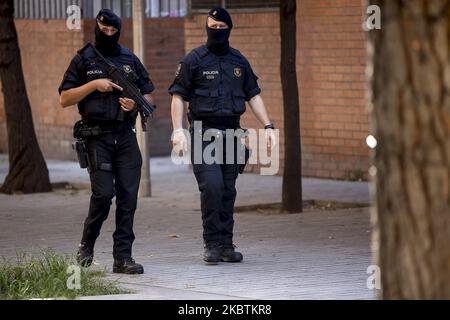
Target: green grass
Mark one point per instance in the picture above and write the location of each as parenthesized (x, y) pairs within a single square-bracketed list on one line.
[(45, 276)]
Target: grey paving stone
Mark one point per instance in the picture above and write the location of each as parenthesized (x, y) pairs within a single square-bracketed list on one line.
[(312, 255)]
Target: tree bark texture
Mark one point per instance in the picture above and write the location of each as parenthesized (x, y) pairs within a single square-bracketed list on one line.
[(292, 176), (27, 168), (410, 110)]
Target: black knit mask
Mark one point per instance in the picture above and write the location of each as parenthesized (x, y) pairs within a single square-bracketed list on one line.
[(107, 45), (218, 40)]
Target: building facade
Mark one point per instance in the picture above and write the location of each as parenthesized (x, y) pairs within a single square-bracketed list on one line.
[(331, 61)]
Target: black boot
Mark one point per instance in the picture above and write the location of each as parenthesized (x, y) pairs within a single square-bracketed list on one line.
[(228, 254), (85, 255), (128, 266), (211, 255)]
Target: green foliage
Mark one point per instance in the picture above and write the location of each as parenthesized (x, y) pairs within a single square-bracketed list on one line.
[(46, 275)]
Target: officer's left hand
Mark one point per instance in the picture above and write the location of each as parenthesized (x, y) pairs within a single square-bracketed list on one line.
[(127, 104), (270, 138)]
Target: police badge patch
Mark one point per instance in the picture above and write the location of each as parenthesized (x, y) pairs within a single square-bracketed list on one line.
[(237, 72), (126, 68)]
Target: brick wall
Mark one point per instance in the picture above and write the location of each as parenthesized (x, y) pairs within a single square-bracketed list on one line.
[(330, 64), (331, 75), (47, 48), (331, 58)]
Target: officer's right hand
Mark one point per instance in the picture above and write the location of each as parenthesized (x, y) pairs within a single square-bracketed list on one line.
[(106, 85), (179, 142)]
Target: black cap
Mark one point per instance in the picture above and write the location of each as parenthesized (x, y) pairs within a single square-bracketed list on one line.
[(108, 17), (220, 14)]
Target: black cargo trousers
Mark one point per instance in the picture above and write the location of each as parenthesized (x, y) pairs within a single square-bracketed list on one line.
[(116, 161), (217, 186)]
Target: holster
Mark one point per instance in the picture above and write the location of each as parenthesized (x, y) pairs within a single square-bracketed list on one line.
[(81, 132), (83, 155)]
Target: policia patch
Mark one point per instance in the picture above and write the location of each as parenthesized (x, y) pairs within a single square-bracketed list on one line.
[(237, 72)]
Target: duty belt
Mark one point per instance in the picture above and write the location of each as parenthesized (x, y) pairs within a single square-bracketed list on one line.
[(109, 126)]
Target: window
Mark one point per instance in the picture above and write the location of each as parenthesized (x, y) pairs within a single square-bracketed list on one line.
[(57, 9), (206, 5), (256, 4), (153, 8), (46, 9)]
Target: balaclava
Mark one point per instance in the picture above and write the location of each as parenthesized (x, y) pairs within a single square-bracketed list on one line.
[(218, 38), (107, 45)]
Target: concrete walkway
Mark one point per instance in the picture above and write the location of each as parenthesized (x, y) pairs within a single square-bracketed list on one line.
[(314, 255)]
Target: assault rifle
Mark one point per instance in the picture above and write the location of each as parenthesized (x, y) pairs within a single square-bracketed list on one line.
[(130, 90)]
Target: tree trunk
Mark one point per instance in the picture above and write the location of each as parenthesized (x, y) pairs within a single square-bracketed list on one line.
[(27, 168), (410, 108), (292, 182)]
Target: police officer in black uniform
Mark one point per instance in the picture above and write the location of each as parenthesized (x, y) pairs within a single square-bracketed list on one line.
[(114, 154), (216, 80)]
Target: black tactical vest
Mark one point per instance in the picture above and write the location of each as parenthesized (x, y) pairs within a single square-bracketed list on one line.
[(101, 105), (217, 87)]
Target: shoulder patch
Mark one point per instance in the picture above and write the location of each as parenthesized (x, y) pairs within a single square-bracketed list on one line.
[(178, 70)]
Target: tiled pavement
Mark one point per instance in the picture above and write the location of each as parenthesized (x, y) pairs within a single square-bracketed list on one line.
[(313, 255)]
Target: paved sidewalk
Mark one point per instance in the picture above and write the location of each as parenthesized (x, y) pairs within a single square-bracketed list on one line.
[(313, 255)]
